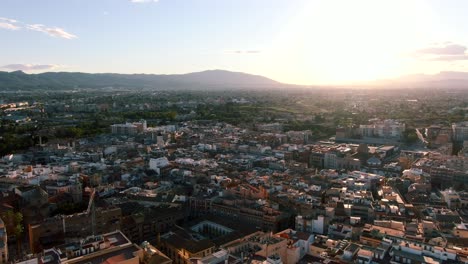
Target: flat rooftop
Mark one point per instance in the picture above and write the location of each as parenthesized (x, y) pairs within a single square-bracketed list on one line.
[(123, 253)]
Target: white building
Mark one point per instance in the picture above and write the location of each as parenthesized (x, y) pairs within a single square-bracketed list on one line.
[(385, 129), (316, 226), (157, 164), (129, 128)]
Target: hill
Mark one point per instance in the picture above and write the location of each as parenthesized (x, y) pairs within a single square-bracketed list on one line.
[(212, 79), (441, 80)]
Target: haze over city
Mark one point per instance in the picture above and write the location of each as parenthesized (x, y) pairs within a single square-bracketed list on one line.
[(296, 42)]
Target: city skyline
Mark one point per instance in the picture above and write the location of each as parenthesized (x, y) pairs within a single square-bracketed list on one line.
[(297, 42)]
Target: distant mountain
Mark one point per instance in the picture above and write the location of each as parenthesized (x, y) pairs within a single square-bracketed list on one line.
[(444, 79), (212, 79)]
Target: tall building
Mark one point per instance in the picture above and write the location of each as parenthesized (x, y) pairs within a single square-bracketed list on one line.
[(460, 131), (367, 130), (385, 129)]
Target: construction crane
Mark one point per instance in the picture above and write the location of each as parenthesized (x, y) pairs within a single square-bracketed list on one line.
[(89, 211), (92, 210)]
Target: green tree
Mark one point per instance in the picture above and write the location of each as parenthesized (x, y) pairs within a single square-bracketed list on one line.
[(14, 226), (410, 136)]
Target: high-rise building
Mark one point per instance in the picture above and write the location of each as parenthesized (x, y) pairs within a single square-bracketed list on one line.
[(460, 131)]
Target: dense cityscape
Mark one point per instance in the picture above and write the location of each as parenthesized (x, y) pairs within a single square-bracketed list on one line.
[(348, 176), (233, 132)]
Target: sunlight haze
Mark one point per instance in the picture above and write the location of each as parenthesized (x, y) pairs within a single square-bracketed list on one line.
[(297, 42)]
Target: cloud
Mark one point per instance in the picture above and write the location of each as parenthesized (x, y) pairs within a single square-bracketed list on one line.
[(29, 67), (242, 51), (8, 20), (8, 23), (52, 31), (451, 57), (446, 51), (12, 24), (143, 1), (9, 26)]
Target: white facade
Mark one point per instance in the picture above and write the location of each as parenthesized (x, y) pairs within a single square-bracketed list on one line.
[(386, 129), (316, 226), (157, 164)]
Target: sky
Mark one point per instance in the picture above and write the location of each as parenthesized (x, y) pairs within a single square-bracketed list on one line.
[(291, 41)]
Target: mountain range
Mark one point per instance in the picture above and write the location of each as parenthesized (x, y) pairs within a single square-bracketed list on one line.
[(211, 79), (441, 80)]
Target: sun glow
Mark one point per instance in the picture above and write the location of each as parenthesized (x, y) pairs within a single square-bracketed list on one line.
[(342, 41)]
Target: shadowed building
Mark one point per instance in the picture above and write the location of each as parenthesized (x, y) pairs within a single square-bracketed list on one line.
[(3, 243)]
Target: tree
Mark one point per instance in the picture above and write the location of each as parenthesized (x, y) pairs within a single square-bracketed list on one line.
[(14, 226), (410, 136)]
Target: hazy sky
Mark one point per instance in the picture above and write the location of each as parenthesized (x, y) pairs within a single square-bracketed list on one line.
[(293, 41)]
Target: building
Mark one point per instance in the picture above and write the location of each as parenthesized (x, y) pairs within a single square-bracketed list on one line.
[(339, 160), (158, 164), (460, 131), (218, 257), (311, 225), (54, 230), (298, 244), (367, 130), (437, 135), (260, 244), (3, 243), (129, 128), (144, 224), (152, 255), (384, 129), (452, 198), (261, 216), (182, 246), (405, 251), (299, 137), (111, 247)]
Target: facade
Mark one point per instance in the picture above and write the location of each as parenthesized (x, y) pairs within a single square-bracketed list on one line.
[(3, 243), (308, 224), (158, 164), (461, 230), (129, 128), (460, 131), (181, 247), (111, 247), (367, 130), (152, 255), (384, 129), (145, 224), (263, 217), (53, 230), (298, 244), (337, 160), (265, 245)]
